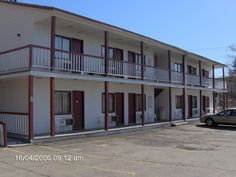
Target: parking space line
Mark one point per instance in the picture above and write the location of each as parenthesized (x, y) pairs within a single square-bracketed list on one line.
[(13, 150)]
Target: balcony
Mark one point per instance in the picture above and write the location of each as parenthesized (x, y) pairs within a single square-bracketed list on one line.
[(38, 58), (192, 80)]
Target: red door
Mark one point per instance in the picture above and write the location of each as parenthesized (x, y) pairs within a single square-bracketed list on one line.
[(120, 108), (131, 60), (132, 111), (78, 109), (190, 106), (77, 47)]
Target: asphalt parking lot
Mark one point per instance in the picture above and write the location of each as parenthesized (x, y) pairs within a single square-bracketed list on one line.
[(191, 150)]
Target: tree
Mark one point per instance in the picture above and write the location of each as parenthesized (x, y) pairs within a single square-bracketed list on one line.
[(232, 78)]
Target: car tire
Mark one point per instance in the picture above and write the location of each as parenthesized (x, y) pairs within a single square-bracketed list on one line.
[(210, 122)]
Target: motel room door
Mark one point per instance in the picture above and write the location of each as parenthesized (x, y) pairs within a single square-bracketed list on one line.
[(132, 111), (77, 46), (78, 110), (120, 108), (190, 106)]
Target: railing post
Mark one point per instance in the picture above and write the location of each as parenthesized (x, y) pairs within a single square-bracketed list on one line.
[(200, 73), (30, 107), (169, 65), (30, 57), (106, 53), (53, 36)]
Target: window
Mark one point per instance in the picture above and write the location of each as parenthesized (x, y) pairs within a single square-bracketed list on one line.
[(62, 102), (224, 113), (192, 70), (111, 106), (205, 73), (178, 67), (178, 102), (233, 113), (62, 43), (138, 103), (194, 102)]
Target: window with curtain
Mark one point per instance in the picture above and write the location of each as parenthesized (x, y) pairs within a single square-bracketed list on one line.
[(138, 103), (62, 102), (178, 102)]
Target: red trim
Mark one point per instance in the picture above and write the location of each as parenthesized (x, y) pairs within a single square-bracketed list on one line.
[(214, 108), (169, 65), (52, 111), (200, 94), (53, 36), (142, 60), (200, 73), (106, 126), (143, 104), (5, 133), (213, 76), (170, 105), (30, 106), (14, 113), (184, 106), (106, 53), (15, 49)]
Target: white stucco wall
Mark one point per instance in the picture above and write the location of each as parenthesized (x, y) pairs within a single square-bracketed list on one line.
[(14, 95), (41, 105), (17, 20)]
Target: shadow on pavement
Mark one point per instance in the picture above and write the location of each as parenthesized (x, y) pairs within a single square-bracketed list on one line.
[(219, 127)]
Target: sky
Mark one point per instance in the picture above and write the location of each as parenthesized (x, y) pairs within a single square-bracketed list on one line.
[(205, 27)]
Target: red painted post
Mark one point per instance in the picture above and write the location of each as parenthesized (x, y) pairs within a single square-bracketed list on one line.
[(142, 60), (200, 95), (52, 107), (183, 63), (223, 71), (30, 56), (200, 73), (106, 53), (106, 117), (213, 76), (106, 126), (184, 106), (170, 105), (143, 106), (169, 65), (213, 96), (30, 107), (53, 36)]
